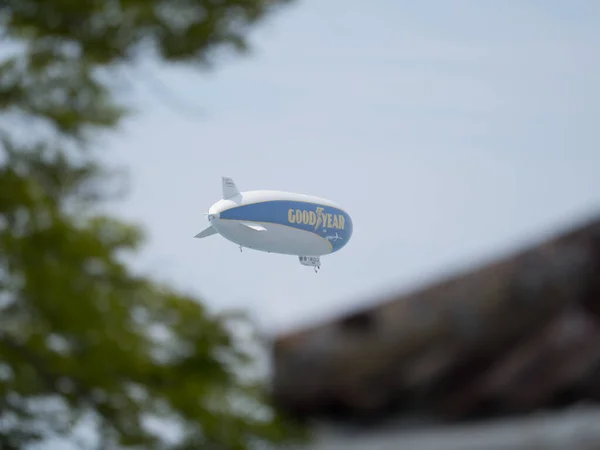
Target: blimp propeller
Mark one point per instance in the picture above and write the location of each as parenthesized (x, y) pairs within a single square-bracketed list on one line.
[(279, 222)]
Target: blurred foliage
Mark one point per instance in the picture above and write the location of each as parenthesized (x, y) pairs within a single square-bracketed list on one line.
[(82, 336)]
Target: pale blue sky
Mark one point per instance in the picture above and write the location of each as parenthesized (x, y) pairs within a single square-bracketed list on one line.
[(450, 131)]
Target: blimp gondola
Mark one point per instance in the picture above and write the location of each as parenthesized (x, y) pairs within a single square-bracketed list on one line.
[(279, 222)]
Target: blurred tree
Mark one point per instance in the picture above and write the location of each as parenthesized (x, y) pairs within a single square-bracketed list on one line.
[(82, 337)]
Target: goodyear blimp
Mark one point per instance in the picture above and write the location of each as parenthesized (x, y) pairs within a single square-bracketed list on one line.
[(279, 222)]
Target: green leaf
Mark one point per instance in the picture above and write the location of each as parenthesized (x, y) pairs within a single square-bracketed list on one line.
[(80, 330)]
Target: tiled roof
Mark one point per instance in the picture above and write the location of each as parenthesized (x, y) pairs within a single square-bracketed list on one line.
[(517, 334)]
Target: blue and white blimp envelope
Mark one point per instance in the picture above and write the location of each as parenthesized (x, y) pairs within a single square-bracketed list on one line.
[(279, 222)]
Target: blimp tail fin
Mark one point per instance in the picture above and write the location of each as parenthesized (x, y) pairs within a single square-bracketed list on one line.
[(206, 232), (229, 188), (254, 226)]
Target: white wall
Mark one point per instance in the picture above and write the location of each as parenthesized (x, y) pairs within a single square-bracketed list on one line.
[(576, 429)]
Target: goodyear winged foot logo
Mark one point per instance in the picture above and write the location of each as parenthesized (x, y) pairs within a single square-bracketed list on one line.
[(320, 218), (317, 219)]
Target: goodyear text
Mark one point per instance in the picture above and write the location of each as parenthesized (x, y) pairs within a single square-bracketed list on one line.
[(317, 218)]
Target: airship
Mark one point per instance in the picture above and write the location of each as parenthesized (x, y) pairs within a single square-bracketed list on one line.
[(279, 222)]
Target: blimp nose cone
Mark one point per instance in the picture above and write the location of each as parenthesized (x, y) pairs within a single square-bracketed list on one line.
[(213, 216)]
